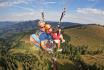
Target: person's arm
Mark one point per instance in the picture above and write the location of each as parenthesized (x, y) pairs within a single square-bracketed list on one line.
[(33, 41), (62, 39), (42, 44)]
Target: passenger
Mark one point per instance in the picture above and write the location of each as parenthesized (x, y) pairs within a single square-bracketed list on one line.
[(34, 38), (57, 37), (46, 39)]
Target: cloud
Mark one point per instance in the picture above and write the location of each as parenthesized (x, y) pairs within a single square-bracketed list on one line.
[(50, 2), (9, 3), (54, 16), (90, 11), (88, 15), (21, 16), (91, 0), (25, 8)]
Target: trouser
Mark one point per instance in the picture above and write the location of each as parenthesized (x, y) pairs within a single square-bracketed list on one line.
[(36, 40)]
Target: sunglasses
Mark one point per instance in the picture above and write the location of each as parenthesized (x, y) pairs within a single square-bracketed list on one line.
[(42, 27), (48, 29)]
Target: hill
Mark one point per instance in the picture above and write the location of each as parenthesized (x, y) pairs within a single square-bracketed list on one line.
[(8, 28), (89, 35)]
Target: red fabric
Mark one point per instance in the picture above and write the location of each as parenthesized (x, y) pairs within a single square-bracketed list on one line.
[(55, 36)]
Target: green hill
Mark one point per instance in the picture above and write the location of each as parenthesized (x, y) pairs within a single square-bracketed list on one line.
[(89, 35)]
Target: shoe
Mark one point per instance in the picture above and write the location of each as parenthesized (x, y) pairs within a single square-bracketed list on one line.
[(59, 50), (49, 50), (54, 58)]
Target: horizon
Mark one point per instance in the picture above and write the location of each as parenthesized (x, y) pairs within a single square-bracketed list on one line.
[(51, 21), (80, 11)]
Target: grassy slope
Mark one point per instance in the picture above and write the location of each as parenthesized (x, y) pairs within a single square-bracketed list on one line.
[(93, 37), (90, 35)]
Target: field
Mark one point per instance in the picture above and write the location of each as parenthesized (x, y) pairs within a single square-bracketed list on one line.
[(89, 35)]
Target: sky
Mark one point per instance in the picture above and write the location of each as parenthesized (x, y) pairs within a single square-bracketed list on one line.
[(79, 11)]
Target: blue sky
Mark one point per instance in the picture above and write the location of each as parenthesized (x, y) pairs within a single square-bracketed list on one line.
[(81, 11)]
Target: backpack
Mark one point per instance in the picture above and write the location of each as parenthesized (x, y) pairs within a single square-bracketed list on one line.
[(55, 37)]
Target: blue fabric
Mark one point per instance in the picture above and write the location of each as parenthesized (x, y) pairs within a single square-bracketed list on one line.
[(45, 36), (36, 45), (35, 38)]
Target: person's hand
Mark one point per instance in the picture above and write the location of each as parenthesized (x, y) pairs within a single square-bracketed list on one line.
[(63, 41), (59, 30)]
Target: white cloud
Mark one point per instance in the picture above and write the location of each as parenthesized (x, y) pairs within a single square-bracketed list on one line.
[(21, 16), (25, 8), (91, 0), (91, 11), (54, 16), (9, 3), (88, 15), (50, 2)]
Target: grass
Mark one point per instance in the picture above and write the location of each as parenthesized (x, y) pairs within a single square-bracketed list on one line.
[(90, 35)]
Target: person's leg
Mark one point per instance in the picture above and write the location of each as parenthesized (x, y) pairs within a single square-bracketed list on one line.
[(58, 45), (62, 39), (35, 40)]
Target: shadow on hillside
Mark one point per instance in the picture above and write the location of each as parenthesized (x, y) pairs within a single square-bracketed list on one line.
[(67, 66)]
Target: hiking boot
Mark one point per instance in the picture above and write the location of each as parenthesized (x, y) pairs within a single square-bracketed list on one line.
[(54, 58), (49, 50), (59, 50)]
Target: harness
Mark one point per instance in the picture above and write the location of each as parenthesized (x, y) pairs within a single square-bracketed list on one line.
[(48, 42), (39, 32), (56, 36)]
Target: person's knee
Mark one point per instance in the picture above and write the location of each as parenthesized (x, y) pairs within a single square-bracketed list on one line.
[(31, 39)]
